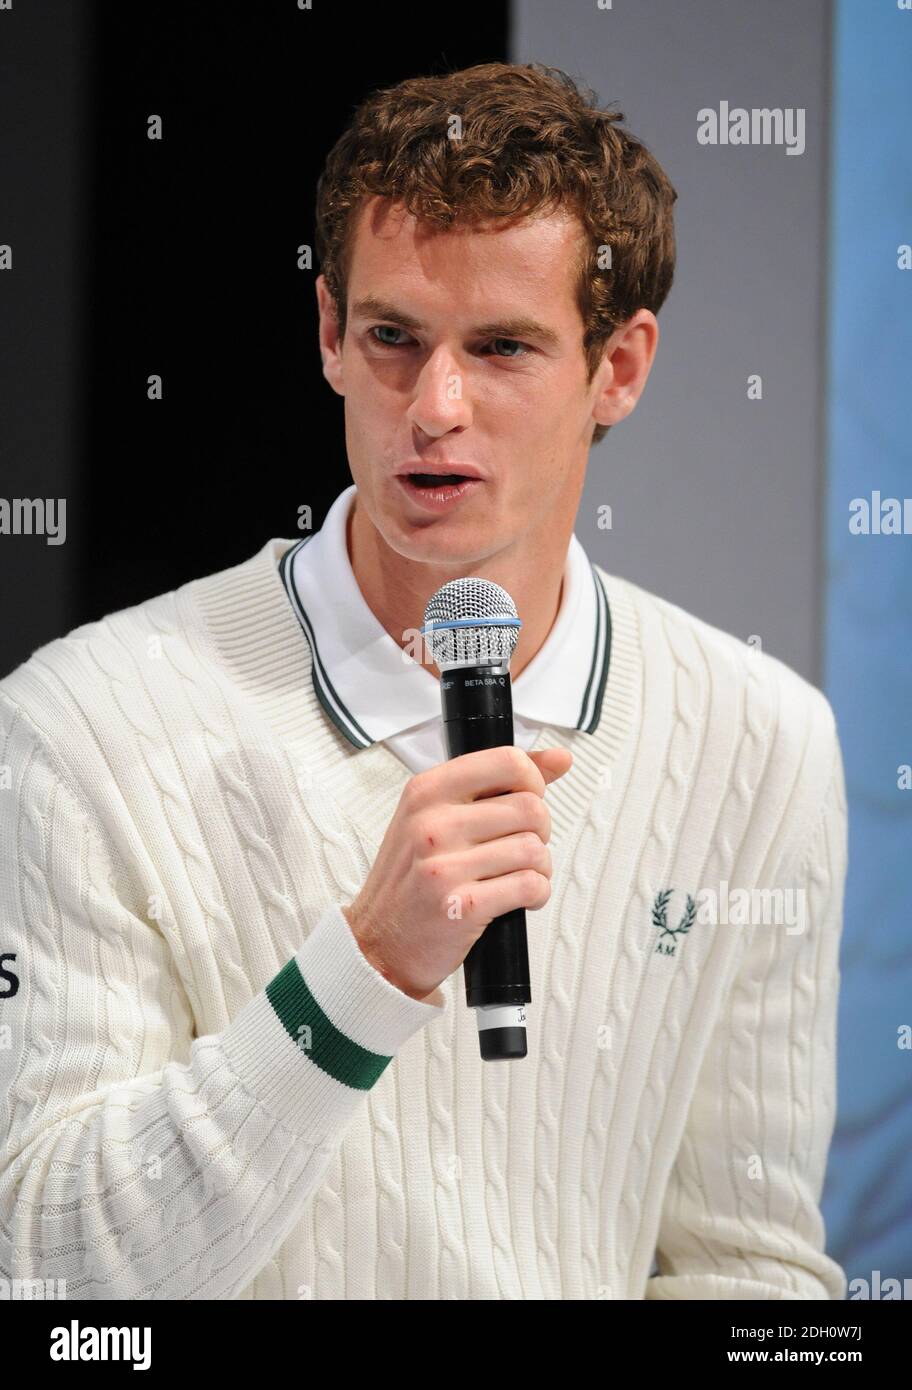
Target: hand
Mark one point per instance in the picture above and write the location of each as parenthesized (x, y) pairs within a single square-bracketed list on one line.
[(468, 841)]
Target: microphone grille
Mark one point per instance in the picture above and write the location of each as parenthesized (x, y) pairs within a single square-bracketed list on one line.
[(470, 621)]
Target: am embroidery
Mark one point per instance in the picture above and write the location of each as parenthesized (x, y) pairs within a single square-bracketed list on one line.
[(668, 936)]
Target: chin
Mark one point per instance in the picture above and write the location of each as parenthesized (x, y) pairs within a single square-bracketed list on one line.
[(438, 541), (428, 548)]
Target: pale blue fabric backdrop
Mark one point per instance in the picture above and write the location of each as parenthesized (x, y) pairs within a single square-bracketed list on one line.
[(868, 626)]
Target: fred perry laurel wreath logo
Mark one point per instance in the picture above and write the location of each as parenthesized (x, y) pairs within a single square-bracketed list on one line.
[(665, 946)]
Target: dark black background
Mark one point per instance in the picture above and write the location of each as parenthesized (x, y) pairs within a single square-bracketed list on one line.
[(185, 253)]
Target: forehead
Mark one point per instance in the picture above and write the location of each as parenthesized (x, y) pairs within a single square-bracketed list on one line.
[(464, 267)]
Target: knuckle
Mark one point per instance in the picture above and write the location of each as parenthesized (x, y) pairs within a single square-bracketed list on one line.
[(539, 889), (531, 882), (429, 869), (412, 792), (422, 831), (516, 758)]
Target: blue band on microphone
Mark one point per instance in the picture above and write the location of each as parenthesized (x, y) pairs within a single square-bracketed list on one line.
[(471, 622)]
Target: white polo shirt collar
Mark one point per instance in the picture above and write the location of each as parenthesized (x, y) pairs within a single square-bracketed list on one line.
[(373, 690)]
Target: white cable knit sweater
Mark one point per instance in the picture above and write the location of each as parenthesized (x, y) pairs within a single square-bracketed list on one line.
[(206, 1091)]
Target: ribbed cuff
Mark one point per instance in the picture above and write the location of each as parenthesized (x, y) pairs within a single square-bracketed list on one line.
[(319, 1036)]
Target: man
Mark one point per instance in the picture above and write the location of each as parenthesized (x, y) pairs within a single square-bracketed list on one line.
[(241, 1064)]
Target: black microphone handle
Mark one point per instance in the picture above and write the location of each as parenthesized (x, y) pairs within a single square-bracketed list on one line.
[(478, 713)]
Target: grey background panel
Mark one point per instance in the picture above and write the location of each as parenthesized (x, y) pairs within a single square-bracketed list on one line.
[(717, 499)]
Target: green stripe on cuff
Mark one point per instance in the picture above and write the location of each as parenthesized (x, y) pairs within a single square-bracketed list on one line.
[(317, 1036)]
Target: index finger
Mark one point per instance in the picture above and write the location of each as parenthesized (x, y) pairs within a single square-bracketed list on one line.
[(485, 772)]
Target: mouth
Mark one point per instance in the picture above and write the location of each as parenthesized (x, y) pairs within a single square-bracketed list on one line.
[(436, 479), (438, 490)]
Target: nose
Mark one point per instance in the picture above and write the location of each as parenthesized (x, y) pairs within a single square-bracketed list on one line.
[(440, 402)]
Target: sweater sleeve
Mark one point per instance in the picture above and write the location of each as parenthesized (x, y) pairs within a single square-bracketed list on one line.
[(139, 1160), (741, 1216)]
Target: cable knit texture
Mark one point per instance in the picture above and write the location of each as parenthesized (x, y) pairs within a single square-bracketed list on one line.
[(206, 1091)]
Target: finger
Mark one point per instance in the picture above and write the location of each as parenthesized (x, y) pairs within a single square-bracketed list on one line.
[(495, 816), (486, 772), (552, 762), (521, 888), (494, 858)]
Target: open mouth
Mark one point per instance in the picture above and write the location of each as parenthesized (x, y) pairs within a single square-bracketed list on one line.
[(437, 479), (438, 490)]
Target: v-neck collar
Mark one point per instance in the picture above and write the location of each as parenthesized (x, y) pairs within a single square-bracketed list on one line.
[(258, 646), (372, 690)]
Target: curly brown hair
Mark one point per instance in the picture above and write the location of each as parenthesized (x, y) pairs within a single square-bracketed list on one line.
[(530, 141)]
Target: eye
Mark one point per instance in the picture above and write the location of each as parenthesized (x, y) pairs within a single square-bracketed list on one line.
[(386, 328), (524, 349), (513, 342)]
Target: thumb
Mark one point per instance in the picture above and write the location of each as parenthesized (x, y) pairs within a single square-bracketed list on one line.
[(552, 762)]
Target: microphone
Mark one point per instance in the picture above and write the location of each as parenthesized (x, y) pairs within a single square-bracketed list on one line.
[(472, 627)]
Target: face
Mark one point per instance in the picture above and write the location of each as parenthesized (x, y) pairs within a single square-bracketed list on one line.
[(464, 349)]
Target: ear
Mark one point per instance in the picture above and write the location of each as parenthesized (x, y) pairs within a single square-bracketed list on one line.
[(622, 373), (330, 338)]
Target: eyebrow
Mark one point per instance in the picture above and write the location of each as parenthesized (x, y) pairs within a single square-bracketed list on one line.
[(522, 327)]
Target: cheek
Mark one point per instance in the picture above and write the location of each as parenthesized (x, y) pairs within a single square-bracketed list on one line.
[(539, 398), (534, 474), (544, 420)]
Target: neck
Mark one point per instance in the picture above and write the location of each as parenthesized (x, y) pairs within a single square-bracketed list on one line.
[(397, 590)]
